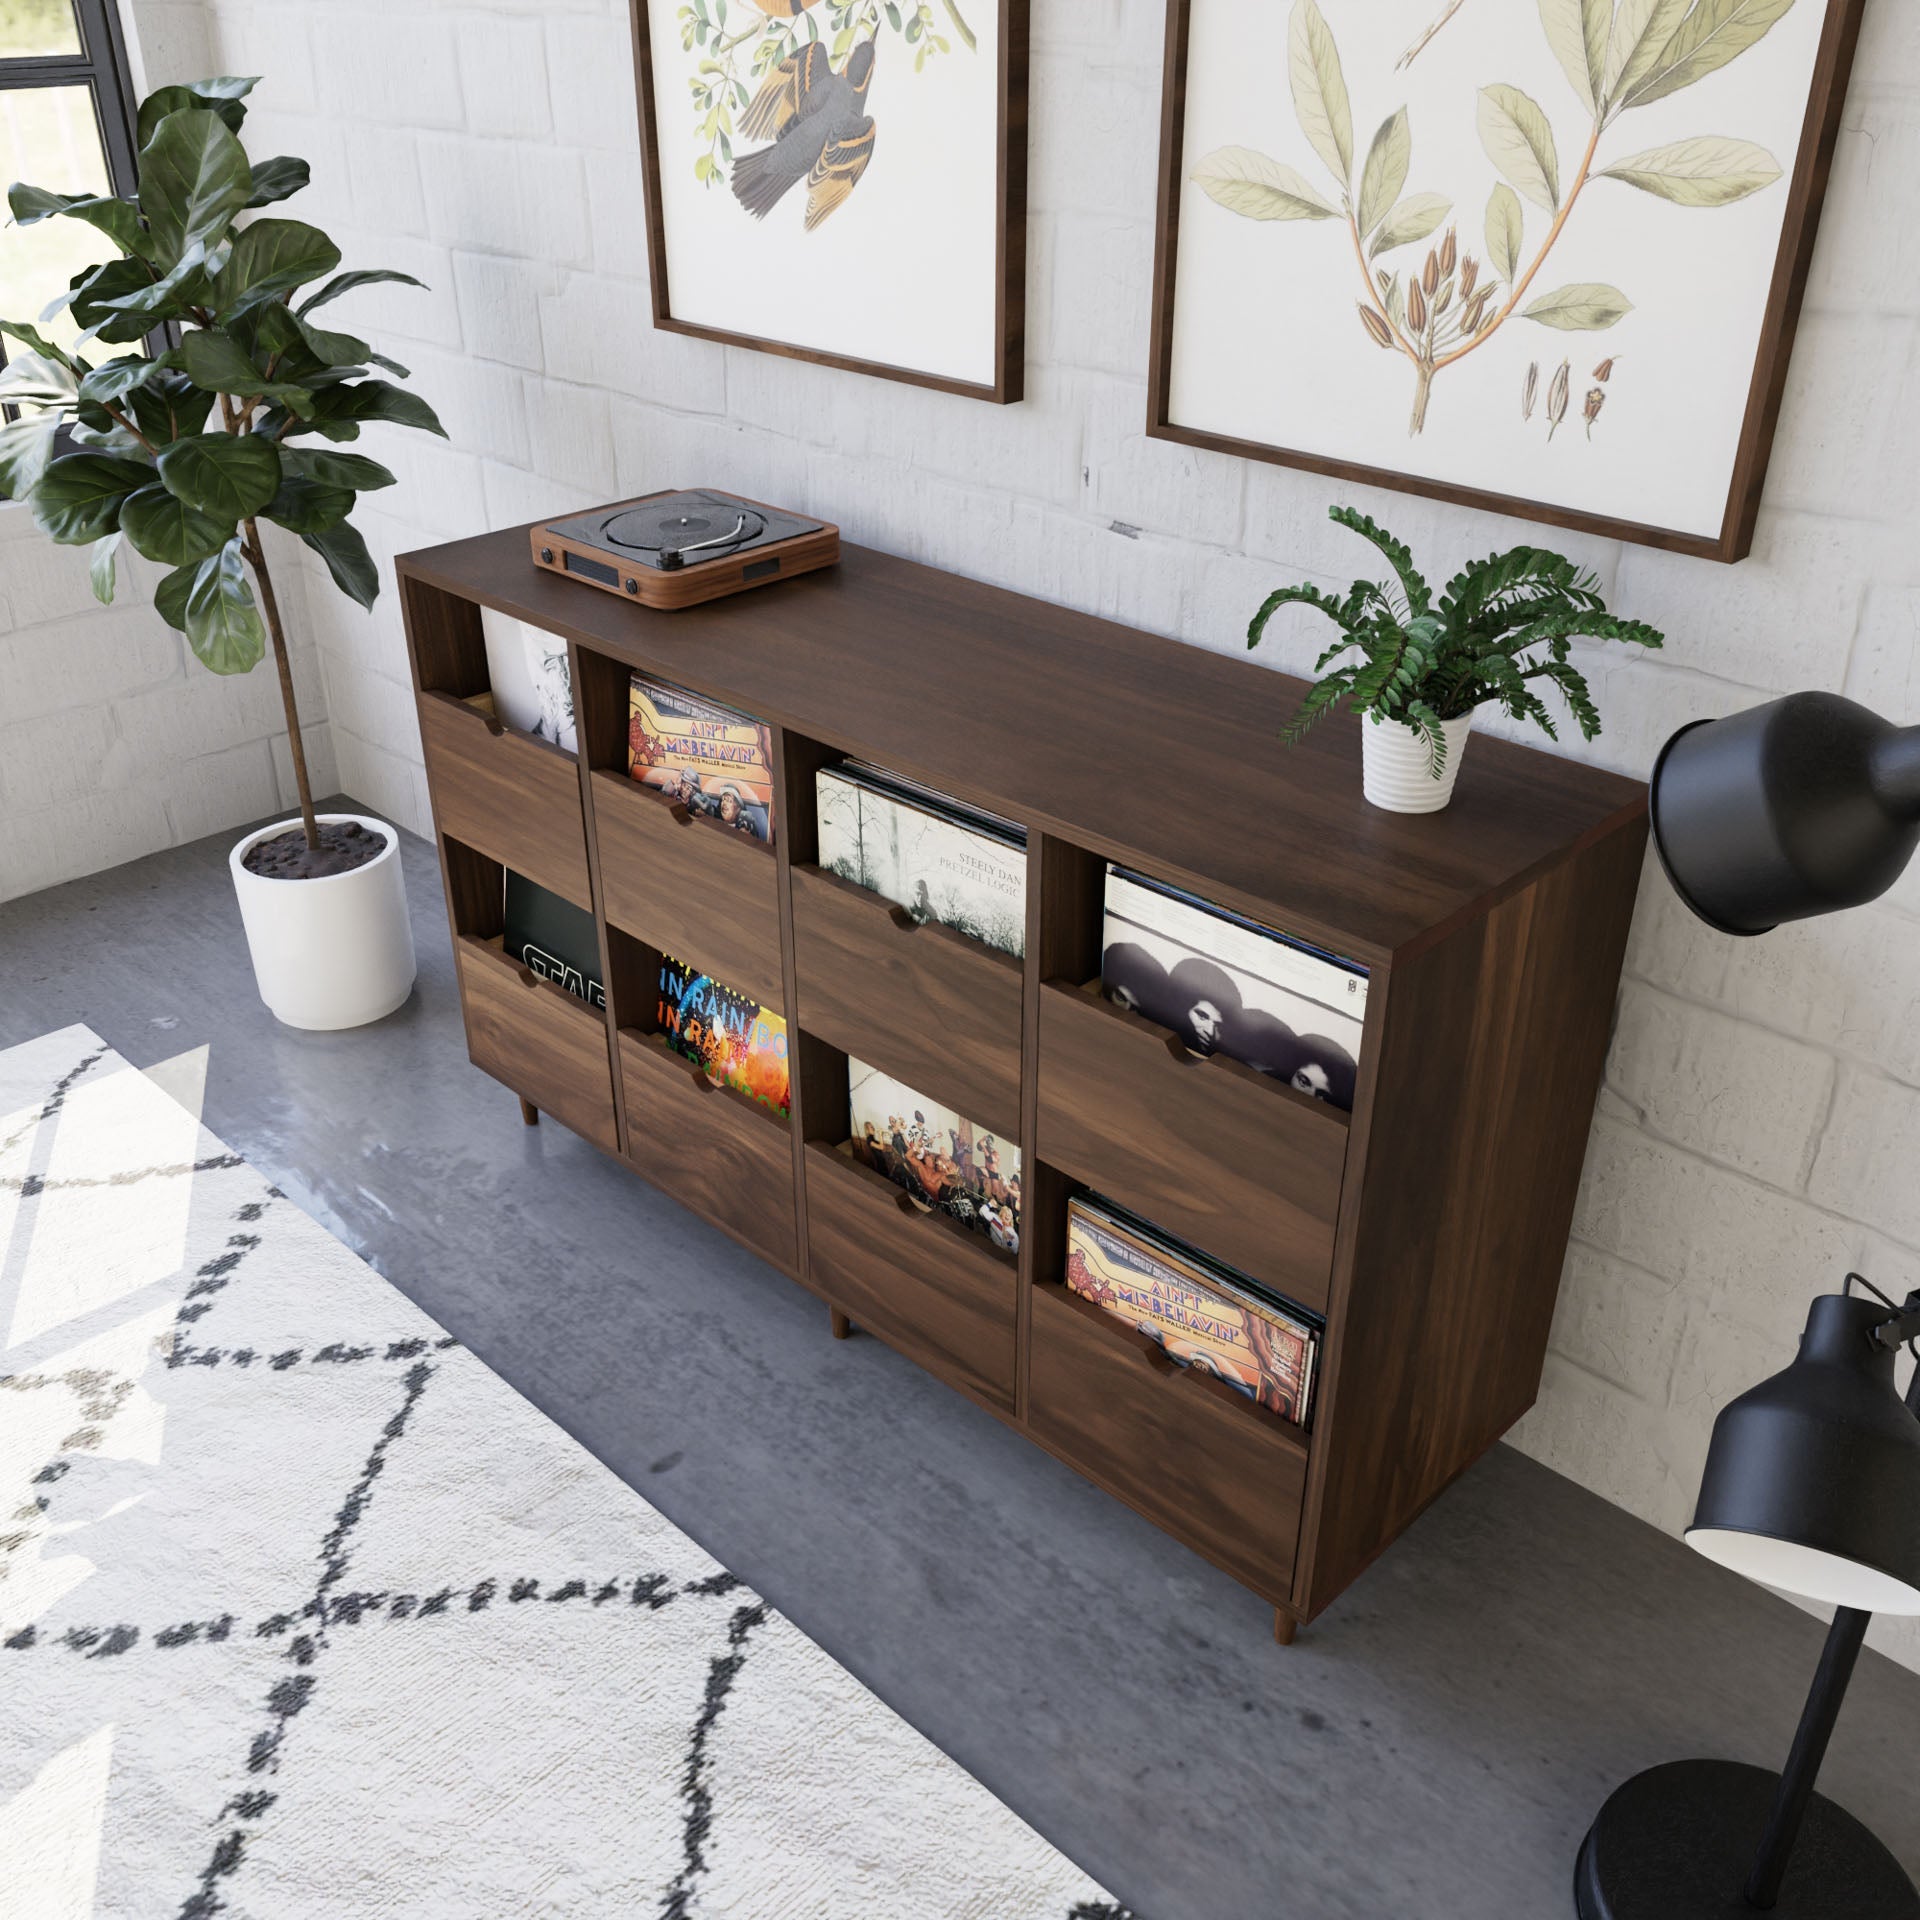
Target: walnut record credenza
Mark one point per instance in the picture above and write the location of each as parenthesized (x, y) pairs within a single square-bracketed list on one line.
[(1429, 1225)]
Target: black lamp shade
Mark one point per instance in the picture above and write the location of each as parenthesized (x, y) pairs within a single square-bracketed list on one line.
[(1813, 1477), (1802, 806)]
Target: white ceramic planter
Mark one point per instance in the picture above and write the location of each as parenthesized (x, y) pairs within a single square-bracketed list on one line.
[(332, 952), (1398, 770)]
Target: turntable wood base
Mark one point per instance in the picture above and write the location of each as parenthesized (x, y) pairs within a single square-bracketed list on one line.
[(612, 571)]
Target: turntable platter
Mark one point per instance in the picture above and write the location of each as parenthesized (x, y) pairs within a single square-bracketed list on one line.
[(673, 524)]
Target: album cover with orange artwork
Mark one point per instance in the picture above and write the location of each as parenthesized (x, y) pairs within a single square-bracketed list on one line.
[(706, 757), (734, 1040)]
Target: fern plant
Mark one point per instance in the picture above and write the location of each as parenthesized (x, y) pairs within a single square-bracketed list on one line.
[(1500, 632)]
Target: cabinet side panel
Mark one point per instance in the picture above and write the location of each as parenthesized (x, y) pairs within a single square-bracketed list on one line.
[(1491, 1053)]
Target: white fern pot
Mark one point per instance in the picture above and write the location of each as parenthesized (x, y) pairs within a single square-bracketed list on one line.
[(332, 952), (1398, 768)]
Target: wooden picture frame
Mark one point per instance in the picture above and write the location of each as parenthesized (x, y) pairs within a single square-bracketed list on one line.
[(1805, 187), (1002, 381)]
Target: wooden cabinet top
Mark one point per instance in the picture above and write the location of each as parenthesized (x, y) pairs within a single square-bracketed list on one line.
[(1139, 748)]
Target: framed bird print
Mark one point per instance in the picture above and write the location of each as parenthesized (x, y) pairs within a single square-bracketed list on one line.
[(841, 181), (1539, 256)]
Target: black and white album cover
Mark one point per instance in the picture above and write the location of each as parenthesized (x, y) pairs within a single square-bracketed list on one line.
[(1226, 985)]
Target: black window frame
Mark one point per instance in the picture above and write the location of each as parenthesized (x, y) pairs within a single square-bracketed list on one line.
[(101, 67)]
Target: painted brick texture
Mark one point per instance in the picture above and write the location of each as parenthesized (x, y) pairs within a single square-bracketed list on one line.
[(1762, 1109)]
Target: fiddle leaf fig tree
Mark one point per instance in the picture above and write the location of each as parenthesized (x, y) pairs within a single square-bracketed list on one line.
[(183, 452)]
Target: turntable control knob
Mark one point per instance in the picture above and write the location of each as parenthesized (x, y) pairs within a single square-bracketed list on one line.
[(633, 586), (546, 556)]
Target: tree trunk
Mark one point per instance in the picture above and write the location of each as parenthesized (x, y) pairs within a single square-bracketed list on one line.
[(257, 559), (1424, 387)]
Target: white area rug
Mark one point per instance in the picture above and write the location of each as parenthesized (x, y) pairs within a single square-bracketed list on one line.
[(304, 1612)]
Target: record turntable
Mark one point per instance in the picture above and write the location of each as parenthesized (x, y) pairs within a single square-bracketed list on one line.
[(675, 549)]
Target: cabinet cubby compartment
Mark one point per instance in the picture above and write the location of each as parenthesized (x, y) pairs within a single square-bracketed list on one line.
[(550, 1048), (944, 1296), (510, 795), (1186, 1451), (720, 1153), (715, 1150), (1232, 1160), (700, 891), (922, 1002)]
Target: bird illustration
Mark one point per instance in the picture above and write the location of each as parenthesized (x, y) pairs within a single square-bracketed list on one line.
[(819, 128)]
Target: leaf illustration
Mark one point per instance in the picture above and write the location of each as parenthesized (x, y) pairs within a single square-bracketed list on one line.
[(1519, 142), (1710, 170), (1640, 29), (1248, 183), (1578, 31), (1411, 219), (1587, 306), (1715, 32), (1386, 170), (1320, 89), (1506, 228)]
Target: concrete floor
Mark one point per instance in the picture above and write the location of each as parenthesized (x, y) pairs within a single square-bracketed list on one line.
[(1435, 1744)]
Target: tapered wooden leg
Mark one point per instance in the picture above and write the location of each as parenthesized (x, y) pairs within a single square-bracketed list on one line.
[(1285, 1626), (839, 1322), (529, 1113)]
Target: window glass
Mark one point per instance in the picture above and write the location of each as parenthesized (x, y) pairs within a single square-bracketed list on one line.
[(49, 138), (36, 29)]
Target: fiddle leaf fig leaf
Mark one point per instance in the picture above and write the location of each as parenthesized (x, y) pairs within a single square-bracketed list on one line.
[(194, 178), (376, 400), (38, 378), (273, 256), (306, 506), (163, 527), (79, 496), (349, 562), (228, 475), (223, 624), (170, 596), (361, 277), (26, 446), (328, 469), (102, 567), (168, 100), (117, 378), (278, 179)]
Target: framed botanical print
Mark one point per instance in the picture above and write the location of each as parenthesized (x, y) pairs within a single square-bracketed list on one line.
[(1539, 256), (841, 181)]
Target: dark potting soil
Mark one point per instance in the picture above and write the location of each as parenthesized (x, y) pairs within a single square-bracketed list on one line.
[(344, 845)]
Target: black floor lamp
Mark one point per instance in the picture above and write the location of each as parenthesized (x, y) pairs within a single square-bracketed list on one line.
[(1812, 1483)]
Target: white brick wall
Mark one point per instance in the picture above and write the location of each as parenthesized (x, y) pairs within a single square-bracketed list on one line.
[(1762, 1113)]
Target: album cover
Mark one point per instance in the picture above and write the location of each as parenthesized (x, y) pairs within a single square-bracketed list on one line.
[(935, 857), (711, 759), (1228, 985), (1203, 1314), (940, 1159), (552, 676), (732, 1038), (553, 938)]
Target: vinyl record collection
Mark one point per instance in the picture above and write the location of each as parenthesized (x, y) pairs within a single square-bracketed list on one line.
[(1218, 982)]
